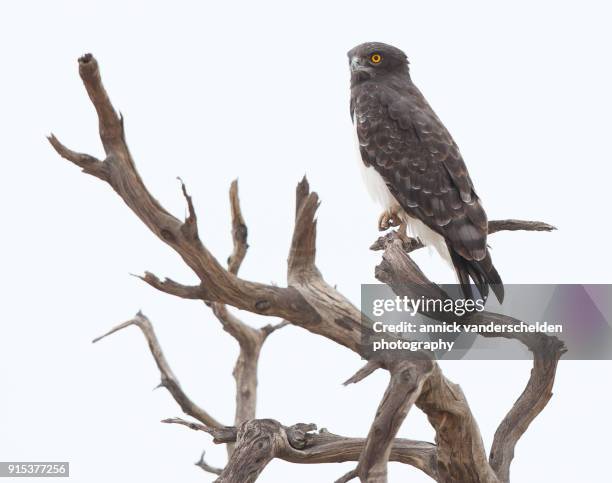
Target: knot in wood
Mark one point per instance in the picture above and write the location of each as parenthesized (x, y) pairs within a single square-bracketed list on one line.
[(167, 235), (262, 305)]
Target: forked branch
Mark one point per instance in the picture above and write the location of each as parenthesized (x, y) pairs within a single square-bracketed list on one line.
[(405, 385), (168, 379), (460, 448), (301, 444)]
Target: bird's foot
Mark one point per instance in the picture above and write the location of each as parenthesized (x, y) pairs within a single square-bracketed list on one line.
[(409, 243), (388, 219), (402, 234)]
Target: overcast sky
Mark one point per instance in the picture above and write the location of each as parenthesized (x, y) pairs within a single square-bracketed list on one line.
[(259, 90)]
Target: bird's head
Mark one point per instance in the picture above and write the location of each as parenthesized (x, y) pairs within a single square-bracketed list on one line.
[(375, 59)]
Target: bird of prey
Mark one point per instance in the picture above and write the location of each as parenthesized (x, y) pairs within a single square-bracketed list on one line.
[(412, 166)]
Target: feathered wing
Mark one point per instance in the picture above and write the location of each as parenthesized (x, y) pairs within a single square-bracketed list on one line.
[(403, 139)]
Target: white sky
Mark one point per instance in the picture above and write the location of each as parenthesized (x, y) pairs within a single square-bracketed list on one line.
[(260, 90)]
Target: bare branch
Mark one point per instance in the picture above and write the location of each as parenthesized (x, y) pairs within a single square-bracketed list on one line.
[(301, 263), (407, 378), (249, 339), (460, 451), (88, 163), (222, 434), (239, 231), (171, 287), (243, 333), (461, 455), (532, 401), (190, 225), (256, 446), (362, 373), (325, 447), (168, 379), (412, 244), (271, 328), (217, 283), (408, 244), (245, 374), (351, 475), (125, 180), (189, 424), (298, 434), (206, 467), (111, 124), (299, 444)]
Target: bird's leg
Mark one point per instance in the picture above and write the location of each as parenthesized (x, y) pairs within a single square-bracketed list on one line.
[(402, 233), (390, 218), (402, 230)]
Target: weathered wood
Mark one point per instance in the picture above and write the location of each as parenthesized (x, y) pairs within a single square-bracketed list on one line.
[(309, 302), (168, 379), (301, 444), (546, 354), (256, 446), (460, 450), (461, 453), (201, 463), (412, 244), (405, 384)]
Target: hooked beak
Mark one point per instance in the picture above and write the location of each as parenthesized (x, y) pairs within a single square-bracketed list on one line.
[(356, 65)]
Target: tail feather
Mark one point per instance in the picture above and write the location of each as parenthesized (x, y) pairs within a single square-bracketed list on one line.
[(482, 272)]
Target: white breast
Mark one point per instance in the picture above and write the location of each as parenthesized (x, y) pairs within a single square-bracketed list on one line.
[(375, 184), (379, 192)]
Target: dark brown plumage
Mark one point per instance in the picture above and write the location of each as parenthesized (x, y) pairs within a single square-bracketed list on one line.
[(401, 137)]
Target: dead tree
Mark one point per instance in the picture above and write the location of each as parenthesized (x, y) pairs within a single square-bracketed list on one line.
[(458, 453)]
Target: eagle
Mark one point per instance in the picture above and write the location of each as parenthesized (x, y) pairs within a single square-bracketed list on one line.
[(412, 166)]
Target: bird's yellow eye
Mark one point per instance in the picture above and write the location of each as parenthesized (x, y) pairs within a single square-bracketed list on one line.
[(375, 58)]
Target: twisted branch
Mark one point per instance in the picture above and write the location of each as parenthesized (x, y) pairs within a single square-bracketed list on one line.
[(461, 454), (168, 379), (405, 385), (300, 444)]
